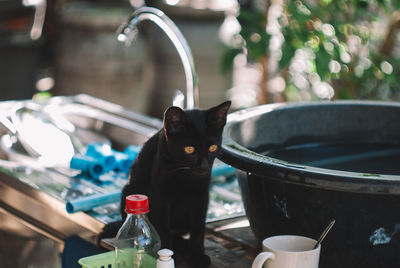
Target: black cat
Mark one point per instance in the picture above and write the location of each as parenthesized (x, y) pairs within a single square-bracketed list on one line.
[(174, 169)]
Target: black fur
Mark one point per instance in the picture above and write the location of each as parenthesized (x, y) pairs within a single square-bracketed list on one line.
[(177, 183)]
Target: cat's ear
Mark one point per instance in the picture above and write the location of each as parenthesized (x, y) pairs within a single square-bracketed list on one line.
[(216, 116), (174, 120)]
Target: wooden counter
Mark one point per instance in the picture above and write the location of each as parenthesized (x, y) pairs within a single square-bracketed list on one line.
[(229, 243)]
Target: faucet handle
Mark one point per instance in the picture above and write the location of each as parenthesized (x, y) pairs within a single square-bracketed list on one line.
[(179, 99)]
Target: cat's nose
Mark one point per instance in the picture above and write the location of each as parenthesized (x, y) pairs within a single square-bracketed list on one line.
[(204, 165)]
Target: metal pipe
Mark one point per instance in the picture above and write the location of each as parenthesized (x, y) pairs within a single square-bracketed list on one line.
[(129, 30)]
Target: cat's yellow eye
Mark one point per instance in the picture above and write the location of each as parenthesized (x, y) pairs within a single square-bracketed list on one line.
[(189, 149), (213, 148)]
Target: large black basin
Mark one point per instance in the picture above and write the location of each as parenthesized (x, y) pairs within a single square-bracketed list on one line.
[(301, 165)]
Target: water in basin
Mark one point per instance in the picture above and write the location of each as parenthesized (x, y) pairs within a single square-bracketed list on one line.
[(363, 158)]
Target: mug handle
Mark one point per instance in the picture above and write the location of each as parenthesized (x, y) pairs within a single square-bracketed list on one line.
[(261, 258)]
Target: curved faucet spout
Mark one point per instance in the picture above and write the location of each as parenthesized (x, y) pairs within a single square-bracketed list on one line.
[(129, 30)]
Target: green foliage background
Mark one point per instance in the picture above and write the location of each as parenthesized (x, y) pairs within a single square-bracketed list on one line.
[(351, 46)]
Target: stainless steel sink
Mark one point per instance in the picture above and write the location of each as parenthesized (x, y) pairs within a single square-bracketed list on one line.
[(34, 194)]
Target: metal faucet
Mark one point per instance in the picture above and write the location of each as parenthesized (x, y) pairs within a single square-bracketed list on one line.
[(128, 32), (38, 18)]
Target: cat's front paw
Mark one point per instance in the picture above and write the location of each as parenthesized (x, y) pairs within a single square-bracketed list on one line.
[(201, 260)]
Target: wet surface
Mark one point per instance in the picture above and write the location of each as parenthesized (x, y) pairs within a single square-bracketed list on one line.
[(362, 158)]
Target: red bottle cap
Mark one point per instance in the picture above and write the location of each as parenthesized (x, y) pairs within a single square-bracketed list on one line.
[(136, 204)]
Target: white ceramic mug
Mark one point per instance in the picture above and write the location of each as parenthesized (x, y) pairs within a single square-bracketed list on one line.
[(288, 251)]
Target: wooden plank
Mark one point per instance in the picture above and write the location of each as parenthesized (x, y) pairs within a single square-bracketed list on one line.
[(237, 231), (223, 255)]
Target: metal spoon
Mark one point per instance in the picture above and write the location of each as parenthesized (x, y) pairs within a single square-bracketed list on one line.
[(324, 233)]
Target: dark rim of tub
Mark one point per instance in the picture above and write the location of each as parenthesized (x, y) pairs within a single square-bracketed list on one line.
[(251, 162)]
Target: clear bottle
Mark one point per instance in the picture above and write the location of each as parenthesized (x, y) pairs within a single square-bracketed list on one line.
[(137, 241)]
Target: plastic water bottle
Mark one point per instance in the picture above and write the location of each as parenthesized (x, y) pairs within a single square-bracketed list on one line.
[(137, 242)]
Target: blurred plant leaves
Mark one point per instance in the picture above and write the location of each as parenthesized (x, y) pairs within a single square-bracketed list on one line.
[(322, 59), (344, 39), (254, 33), (228, 57)]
